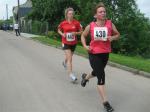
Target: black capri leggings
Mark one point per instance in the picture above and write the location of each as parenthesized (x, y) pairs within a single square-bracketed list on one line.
[(98, 63)]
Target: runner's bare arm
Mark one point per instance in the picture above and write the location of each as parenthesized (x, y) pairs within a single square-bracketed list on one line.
[(61, 33), (116, 34), (78, 33), (84, 36)]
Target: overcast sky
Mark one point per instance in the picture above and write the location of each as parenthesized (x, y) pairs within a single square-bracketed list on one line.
[(144, 6), (10, 3)]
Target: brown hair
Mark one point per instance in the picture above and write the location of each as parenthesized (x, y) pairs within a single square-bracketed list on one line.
[(101, 4), (67, 10)]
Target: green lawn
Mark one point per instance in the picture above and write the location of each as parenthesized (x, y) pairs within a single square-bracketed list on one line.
[(133, 62)]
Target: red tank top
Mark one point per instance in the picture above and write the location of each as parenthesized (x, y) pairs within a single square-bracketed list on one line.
[(99, 42)]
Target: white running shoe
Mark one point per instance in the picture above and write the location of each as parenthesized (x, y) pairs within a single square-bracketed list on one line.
[(73, 77)]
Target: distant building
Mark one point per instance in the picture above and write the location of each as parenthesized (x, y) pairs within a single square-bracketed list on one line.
[(24, 9)]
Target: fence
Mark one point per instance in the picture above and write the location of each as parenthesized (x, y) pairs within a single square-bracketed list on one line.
[(34, 27)]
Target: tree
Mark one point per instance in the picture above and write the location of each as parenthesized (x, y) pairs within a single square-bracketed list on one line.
[(131, 23), (51, 10)]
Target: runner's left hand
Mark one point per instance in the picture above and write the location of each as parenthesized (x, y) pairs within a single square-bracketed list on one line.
[(110, 38), (73, 33)]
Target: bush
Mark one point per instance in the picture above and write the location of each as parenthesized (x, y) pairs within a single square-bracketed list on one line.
[(52, 34)]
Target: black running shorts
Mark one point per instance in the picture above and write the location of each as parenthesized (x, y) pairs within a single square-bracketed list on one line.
[(71, 47)]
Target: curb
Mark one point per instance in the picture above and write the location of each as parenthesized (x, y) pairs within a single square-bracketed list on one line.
[(145, 74), (134, 71), (24, 35)]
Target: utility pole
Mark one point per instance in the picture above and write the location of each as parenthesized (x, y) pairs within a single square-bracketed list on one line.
[(7, 11), (18, 16), (18, 21)]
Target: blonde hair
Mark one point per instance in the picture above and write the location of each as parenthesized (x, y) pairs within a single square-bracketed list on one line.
[(67, 10)]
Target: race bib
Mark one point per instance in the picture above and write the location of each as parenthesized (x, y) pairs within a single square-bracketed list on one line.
[(100, 33), (70, 37)]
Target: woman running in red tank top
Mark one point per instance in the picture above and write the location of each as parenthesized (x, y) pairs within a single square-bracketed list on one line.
[(102, 33)]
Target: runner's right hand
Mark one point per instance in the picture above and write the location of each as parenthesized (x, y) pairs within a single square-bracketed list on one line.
[(87, 48), (64, 35)]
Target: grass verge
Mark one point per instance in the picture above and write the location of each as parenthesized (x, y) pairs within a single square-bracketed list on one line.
[(133, 62)]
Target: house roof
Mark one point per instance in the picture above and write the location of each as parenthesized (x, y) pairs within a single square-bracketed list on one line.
[(23, 7), (24, 10)]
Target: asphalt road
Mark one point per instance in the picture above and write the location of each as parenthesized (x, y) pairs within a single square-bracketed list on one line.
[(32, 79)]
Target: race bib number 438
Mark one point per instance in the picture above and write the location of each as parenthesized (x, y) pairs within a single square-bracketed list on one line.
[(100, 33), (70, 37)]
